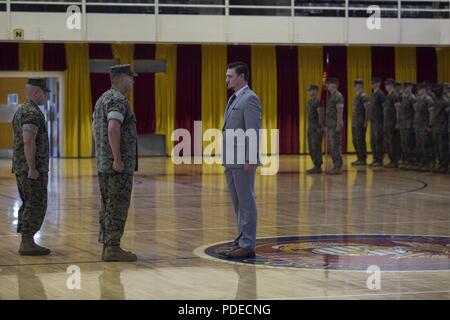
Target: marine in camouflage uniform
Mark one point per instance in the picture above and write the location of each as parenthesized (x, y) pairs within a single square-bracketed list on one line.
[(315, 129), (439, 122), (334, 107), (359, 123), (33, 192), (407, 134), (446, 97), (423, 129), (391, 125), (375, 111), (115, 187)]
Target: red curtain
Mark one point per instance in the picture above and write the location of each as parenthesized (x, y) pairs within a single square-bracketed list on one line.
[(189, 81), (9, 56), (288, 100), (100, 51), (144, 91), (383, 63), (100, 82), (54, 57), (338, 69), (426, 61)]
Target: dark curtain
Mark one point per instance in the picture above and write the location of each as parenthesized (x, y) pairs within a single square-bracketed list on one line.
[(9, 56), (288, 100), (189, 82), (144, 91), (54, 57), (99, 81), (426, 61), (241, 53), (383, 64), (100, 51), (338, 69)]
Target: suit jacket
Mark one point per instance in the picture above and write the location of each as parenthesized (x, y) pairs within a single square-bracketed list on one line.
[(244, 113)]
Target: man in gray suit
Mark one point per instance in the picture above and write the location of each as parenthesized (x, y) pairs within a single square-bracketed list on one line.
[(242, 122)]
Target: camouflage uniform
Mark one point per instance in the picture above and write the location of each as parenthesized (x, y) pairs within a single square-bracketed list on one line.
[(314, 136), (423, 135), (115, 187), (440, 109), (358, 127), (407, 135), (334, 101), (391, 133), (376, 125), (33, 193)]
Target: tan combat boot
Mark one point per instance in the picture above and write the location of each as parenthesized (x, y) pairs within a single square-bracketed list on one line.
[(29, 248), (115, 253)]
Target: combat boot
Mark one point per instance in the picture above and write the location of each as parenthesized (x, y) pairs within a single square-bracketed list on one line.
[(376, 164), (441, 170), (29, 248), (115, 253), (426, 168), (314, 170), (391, 165), (359, 163)]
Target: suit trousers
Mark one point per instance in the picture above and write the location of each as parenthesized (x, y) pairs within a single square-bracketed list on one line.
[(241, 187)]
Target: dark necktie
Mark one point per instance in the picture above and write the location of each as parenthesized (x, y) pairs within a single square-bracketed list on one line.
[(233, 97)]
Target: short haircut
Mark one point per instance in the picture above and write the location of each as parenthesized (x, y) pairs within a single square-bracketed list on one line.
[(240, 68)]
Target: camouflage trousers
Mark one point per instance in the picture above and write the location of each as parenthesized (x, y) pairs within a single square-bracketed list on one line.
[(33, 194), (334, 146), (359, 142), (424, 145), (315, 146), (116, 190), (376, 141), (408, 143), (393, 143), (440, 145)]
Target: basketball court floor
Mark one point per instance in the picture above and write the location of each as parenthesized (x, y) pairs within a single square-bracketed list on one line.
[(320, 237)]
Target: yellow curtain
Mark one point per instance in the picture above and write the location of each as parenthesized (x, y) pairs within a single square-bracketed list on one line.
[(263, 75), (31, 56), (214, 90), (77, 134), (443, 60), (310, 65), (125, 53), (165, 90), (405, 64), (359, 66)]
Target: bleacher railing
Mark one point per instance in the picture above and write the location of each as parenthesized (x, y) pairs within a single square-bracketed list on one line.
[(439, 9)]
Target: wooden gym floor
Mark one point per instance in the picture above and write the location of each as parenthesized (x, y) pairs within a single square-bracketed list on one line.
[(176, 209)]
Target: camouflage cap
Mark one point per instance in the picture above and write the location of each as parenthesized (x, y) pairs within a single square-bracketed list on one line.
[(38, 82), (408, 84), (376, 80), (389, 82), (446, 85), (422, 85), (313, 87), (397, 84), (122, 69), (358, 81), (332, 80)]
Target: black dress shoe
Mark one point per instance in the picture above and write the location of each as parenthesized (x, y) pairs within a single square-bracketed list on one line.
[(240, 253), (225, 249)]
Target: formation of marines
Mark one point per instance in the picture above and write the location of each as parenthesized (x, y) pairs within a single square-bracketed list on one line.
[(408, 122)]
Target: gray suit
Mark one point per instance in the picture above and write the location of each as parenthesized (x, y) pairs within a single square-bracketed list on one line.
[(243, 113)]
